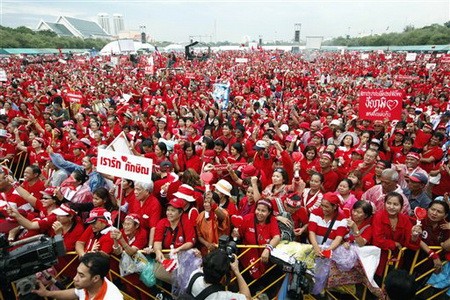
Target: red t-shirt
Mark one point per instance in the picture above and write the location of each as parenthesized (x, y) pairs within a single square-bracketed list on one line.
[(89, 238), (184, 232), (150, 210), (74, 233), (140, 239), (34, 189), (260, 235)]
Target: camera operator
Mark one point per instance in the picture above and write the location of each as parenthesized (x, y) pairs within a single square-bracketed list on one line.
[(90, 281), (216, 266)]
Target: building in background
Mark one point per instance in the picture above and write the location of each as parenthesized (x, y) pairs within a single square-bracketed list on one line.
[(118, 23), (73, 27), (103, 21)]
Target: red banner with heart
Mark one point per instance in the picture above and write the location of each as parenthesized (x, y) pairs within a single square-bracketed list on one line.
[(380, 104)]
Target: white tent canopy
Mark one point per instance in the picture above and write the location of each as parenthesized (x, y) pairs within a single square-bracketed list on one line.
[(174, 47), (125, 46)]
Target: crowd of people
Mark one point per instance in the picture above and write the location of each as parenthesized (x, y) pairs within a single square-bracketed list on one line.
[(288, 158)]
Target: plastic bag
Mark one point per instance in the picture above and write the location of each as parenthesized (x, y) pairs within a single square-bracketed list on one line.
[(321, 272), (188, 262), (147, 275), (135, 264), (345, 259)]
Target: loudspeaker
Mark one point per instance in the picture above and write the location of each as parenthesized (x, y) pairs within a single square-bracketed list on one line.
[(297, 36)]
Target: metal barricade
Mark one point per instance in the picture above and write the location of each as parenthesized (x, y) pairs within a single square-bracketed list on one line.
[(392, 262)]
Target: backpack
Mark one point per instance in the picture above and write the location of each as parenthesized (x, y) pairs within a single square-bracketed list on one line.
[(214, 288)]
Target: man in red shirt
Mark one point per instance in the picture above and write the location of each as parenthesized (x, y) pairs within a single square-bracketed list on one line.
[(32, 183), (330, 177), (97, 236), (147, 206)]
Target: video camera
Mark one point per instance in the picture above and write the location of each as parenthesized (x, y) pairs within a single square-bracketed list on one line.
[(32, 255), (300, 279), (229, 247)]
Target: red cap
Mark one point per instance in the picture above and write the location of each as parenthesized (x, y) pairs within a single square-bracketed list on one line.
[(99, 213), (249, 171), (134, 217), (293, 200), (209, 155), (64, 210), (50, 191), (185, 192), (332, 198), (79, 145), (177, 203)]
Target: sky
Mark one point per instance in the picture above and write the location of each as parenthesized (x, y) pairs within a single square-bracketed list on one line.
[(238, 21)]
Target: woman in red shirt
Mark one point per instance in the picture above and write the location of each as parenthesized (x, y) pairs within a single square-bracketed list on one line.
[(130, 240), (400, 156), (360, 224), (258, 228), (172, 233), (432, 152), (309, 163), (441, 188), (187, 159), (393, 230)]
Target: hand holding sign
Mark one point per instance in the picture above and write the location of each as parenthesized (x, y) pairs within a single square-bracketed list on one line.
[(420, 213), (237, 221), (207, 177)]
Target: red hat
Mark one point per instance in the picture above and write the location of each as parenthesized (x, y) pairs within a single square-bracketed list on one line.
[(49, 191), (358, 151), (186, 192), (249, 171), (305, 125), (209, 155), (293, 200), (399, 131), (177, 203), (332, 198), (318, 134), (79, 145), (64, 210), (134, 217), (99, 213), (414, 155)]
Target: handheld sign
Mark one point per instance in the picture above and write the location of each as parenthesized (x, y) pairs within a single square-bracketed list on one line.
[(380, 104), (420, 213), (207, 177), (237, 221), (297, 156)]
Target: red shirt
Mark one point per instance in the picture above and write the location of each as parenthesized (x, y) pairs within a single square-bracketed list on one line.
[(428, 152), (253, 233), (71, 236), (34, 189), (319, 226), (330, 181), (140, 239), (90, 238), (150, 210), (184, 232), (385, 237)]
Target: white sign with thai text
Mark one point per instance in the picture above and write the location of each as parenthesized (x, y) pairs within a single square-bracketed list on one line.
[(127, 166)]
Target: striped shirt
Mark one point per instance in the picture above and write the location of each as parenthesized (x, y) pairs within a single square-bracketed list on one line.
[(319, 226)]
